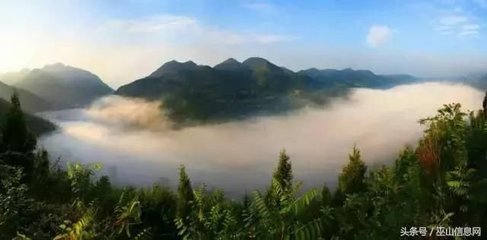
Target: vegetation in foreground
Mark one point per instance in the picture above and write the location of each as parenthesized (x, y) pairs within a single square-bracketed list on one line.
[(441, 182)]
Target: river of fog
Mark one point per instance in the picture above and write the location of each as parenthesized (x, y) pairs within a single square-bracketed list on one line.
[(137, 147)]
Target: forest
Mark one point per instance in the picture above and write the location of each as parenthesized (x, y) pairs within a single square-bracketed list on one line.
[(437, 184)]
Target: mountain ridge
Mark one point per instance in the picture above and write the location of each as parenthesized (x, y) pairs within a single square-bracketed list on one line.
[(233, 89), (62, 86)]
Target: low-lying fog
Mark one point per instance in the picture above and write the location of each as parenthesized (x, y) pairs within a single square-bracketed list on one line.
[(241, 156)]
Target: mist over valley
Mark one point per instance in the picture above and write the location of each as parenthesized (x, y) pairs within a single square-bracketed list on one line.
[(243, 120), (136, 144)]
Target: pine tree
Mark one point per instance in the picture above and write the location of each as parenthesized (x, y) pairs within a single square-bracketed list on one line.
[(185, 195), (15, 135), (484, 106), (284, 174), (326, 197), (352, 177)]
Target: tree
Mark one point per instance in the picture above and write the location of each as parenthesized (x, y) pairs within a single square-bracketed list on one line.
[(15, 134), (326, 196), (484, 106), (284, 173), (351, 179), (185, 194)]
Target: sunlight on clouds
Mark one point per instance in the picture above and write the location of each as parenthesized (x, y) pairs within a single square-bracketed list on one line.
[(243, 153)]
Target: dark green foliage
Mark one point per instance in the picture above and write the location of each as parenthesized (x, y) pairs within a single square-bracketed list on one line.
[(284, 174), (15, 135), (158, 205), (441, 182), (185, 195), (37, 125), (352, 178)]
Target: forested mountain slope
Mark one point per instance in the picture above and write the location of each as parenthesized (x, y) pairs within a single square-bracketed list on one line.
[(31, 103), (37, 125), (233, 89)]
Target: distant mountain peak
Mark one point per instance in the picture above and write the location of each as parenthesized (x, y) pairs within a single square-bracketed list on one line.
[(230, 61), (229, 64), (190, 62), (63, 86), (257, 62), (55, 67), (58, 64), (174, 66)]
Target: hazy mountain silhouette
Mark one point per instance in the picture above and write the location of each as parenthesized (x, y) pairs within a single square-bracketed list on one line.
[(30, 102), (63, 86)]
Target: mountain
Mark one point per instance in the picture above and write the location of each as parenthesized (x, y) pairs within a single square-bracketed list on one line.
[(63, 86), (10, 78), (349, 78), (234, 89), (173, 67), (231, 89), (30, 102), (229, 65), (36, 124), (477, 80)]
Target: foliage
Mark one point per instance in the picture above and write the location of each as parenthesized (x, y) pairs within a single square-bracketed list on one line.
[(439, 182), (15, 134), (351, 179)]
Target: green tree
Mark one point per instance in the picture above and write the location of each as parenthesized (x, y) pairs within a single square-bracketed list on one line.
[(185, 195), (351, 179), (15, 134), (284, 173)]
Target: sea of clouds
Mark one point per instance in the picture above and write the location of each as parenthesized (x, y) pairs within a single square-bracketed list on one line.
[(137, 146)]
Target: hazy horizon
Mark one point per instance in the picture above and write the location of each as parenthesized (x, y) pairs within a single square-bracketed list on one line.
[(127, 40)]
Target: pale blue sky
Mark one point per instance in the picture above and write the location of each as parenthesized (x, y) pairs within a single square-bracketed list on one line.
[(127, 39)]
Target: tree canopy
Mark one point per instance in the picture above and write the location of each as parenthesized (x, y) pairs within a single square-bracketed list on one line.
[(438, 183)]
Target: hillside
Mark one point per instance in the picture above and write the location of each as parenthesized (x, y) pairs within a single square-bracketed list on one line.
[(63, 86), (348, 78), (234, 89), (31, 103), (36, 124), (475, 80), (229, 90)]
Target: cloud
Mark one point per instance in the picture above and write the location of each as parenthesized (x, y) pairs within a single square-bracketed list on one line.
[(125, 112), (152, 24), (378, 35), (183, 28), (261, 7), (240, 156), (453, 20), (457, 24)]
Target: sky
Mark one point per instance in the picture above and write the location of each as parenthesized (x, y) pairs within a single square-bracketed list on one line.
[(125, 40)]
